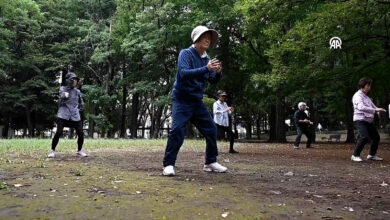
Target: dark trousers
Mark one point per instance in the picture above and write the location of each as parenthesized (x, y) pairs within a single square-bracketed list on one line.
[(197, 113), (77, 125), (223, 130), (305, 131), (366, 131)]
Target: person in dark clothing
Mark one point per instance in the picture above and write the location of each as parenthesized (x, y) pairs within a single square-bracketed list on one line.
[(302, 123), (70, 105), (195, 69)]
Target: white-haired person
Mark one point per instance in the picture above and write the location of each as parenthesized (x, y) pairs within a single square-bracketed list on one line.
[(302, 123), (195, 69)]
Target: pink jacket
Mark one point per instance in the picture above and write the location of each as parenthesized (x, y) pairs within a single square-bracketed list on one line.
[(363, 107)]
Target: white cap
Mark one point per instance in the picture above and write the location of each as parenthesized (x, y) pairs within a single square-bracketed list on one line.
[(300, 104), (199, 30)]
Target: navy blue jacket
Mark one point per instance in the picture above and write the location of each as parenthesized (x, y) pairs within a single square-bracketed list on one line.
[(192, 75)]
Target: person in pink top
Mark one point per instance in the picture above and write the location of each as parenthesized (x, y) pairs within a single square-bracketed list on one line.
[(363, 117)]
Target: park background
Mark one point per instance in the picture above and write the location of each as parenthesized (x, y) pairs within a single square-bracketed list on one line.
[(274, 54)]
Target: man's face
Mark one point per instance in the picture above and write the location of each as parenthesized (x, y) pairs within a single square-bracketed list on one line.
[(204, 41), (222, 98), (303, 107)]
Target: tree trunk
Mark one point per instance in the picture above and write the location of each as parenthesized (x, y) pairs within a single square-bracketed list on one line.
[(124, 102), (29, 121), (349, 114), (248, 128), (91, 123), (277, 125), (134, 115), (312, 117), (189, 131), (4, 133), (258, 127)]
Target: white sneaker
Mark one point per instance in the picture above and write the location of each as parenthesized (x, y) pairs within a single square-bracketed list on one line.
[(369, 157), (169, 171), (81, 154), (214, 167), (52, 154), (356, 158), (296, 147)]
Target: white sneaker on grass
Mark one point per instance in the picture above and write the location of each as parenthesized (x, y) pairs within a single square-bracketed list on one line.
[(356, 158), (296, 147), (81, 154), (369, 157), (169, 171), (214, 167), (52, 154)]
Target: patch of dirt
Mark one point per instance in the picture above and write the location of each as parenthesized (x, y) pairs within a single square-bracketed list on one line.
[(264, 180)]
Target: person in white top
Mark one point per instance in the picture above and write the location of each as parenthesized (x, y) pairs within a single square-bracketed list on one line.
[(221, 113)]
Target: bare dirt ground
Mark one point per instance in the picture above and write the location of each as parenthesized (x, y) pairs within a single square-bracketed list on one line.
[(265, 181)]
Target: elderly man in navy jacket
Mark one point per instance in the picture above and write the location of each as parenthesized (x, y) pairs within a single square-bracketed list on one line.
[(194, 70)]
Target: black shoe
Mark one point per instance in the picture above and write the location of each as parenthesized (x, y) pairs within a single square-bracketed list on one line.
[(309, 147), (233, 151)]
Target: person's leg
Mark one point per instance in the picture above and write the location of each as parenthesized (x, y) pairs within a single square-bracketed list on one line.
[(309, 137), (363, 139), (298, 139), (206, 126), (220, 132), (57, 135), (374, 135), (231, 139), (181, 114), (78, 125)]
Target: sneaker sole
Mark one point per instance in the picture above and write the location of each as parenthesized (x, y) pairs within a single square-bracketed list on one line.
[(170, 174), (215, 171)]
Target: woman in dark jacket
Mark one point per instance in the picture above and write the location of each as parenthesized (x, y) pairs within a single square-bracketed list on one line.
[(70, 105)]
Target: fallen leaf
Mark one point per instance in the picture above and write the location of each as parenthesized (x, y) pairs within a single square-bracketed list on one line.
[(138, 192), (289, 173), (384, 184), (275, 192), (225, 214), (18, 185), (318, 196)]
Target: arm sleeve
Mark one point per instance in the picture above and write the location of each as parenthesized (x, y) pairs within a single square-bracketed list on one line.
[(358, 102), (216, 109), (62, 97), (296, 117), (185, 69), (214, 77)]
